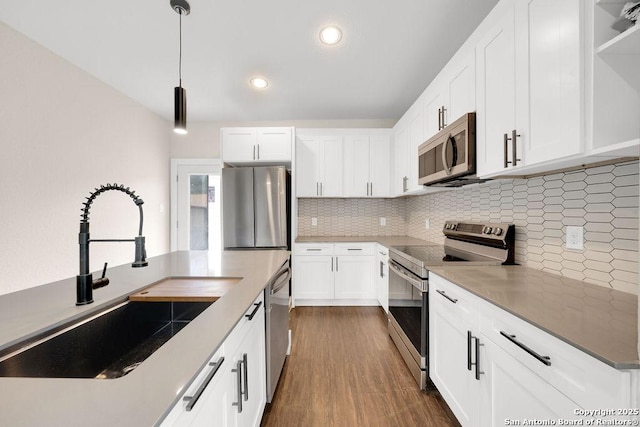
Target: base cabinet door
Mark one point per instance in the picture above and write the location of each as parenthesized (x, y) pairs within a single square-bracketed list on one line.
[(250, 365), (509, 391), (231, 390), (382, 276), (354, 277), (452, 332), (213, 399), (313, 277)]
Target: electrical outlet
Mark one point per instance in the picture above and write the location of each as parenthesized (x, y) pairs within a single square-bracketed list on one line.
[(575, 238), (383, 221), (314, 221), (426, 224)]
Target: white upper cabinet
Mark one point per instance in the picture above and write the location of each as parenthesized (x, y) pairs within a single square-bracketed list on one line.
[(343, 163), (433, 107), (495, 53), (549, 78), (318, 166), (452, 95), (399, 176), (530, 86), (552, 90), (615, 78), (256, 145), (366, 165)]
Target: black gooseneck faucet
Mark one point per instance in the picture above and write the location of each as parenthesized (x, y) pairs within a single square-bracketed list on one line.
[(84, 281)]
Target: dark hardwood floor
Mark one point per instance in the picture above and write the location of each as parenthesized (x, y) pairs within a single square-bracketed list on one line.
[(345, 371)]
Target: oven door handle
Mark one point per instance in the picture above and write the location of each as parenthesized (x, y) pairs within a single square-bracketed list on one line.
[(395, 267)]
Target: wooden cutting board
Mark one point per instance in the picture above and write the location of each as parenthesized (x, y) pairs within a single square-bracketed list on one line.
[(186, 289)]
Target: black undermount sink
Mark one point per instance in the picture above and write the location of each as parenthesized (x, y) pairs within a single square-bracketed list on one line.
[(107, 345)]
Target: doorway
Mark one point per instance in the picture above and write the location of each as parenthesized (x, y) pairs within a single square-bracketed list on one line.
[(196, 205)]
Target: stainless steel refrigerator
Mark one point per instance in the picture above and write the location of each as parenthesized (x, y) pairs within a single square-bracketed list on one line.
[(255, 207)]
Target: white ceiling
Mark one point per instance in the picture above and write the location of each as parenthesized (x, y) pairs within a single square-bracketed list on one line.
[(390, 51)]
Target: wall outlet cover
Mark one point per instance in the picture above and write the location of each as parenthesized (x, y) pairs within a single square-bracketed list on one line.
[(575, 237), (383, 221), (314, 221)]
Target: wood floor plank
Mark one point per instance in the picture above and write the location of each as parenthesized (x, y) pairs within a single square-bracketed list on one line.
[(345, 371)]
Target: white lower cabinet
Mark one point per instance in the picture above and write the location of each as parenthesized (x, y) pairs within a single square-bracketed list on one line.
[(231, 390), (334, 274), (493, 368), (382, 276), (510, 391), (453, 322)]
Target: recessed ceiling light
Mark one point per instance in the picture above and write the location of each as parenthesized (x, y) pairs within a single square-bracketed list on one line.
[(330, 35), (259, 82)]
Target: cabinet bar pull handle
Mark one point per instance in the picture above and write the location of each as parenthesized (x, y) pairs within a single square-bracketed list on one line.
[(444, 124), (371, 184), (258, 151), (194, 399), (313, 249), (246, 376), (331, 263), (321, 190), (381, 273), (317, 188), (354, 249), (478, 371), (453, 300), (469, 351), (514, 135), (439, 120), (255, 310), (336, 263), (254, 152), (543, 359), (238, 372), (506, 148)]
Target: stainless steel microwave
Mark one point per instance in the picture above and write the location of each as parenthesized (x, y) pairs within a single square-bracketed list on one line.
[(449, 157)]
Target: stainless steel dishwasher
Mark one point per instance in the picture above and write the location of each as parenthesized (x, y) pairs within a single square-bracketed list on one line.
[(277, 323)]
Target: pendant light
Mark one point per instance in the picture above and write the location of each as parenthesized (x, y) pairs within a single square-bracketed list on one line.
[(180, 95)]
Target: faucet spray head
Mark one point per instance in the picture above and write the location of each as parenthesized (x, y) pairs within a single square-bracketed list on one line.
[(141, 253)]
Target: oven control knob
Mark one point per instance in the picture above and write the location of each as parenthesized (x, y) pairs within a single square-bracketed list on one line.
[(497, 231), (454, 226), (447, 226), (487, 230)]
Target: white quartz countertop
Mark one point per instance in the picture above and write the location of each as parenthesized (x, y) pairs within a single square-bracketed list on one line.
[(600, 321), (141, 397)]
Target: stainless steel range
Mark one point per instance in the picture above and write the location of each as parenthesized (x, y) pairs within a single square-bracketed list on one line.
[(465, 244)]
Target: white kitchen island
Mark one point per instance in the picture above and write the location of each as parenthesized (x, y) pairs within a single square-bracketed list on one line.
[(145, 395)]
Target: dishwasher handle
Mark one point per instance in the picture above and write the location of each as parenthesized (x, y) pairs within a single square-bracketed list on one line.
[(280, 283)]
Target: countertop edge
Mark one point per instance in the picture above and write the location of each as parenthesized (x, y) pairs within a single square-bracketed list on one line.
[(147, 394), (620, 365)]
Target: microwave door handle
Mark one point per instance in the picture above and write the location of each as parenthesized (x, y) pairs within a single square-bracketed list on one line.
[(447, 167)]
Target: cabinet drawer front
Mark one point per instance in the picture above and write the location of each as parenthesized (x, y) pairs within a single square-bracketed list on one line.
[(313, 249), (244, 324), (584, 379), (355, 248), (180, 414), (453, 300)]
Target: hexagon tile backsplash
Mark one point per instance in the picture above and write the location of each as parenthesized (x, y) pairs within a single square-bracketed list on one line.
[(604, 200)]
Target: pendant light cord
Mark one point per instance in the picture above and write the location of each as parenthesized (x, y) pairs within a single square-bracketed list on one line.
[(180, 54)]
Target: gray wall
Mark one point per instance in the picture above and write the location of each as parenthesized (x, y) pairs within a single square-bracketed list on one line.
[(63, 133)]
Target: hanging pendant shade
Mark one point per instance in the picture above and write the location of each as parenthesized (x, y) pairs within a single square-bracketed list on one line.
[(180, 107), (181, 7)]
